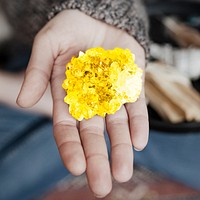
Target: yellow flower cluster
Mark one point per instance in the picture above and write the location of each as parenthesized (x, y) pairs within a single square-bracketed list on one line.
[(100, 81)]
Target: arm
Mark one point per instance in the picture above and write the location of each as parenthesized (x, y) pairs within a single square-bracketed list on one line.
[(81, 144)]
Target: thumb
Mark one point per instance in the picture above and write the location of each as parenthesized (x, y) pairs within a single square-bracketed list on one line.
[(38, 72)]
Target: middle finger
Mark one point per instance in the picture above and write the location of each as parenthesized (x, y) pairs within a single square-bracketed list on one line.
[(98, 169)]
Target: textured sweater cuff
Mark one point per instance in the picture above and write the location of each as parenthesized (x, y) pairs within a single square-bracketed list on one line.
[(123, 14)]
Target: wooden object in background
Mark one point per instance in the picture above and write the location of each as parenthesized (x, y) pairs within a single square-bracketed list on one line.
[(183, 34), (171, 94)]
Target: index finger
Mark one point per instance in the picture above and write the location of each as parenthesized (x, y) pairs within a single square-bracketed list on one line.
[(95, 149)]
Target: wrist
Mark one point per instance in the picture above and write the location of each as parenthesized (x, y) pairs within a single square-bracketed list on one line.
[(130, 19)]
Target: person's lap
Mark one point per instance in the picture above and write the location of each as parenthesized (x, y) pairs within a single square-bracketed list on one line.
[(174, 155), (30, 162)]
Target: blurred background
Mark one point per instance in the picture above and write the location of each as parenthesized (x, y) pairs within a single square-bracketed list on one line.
[(173, 94)]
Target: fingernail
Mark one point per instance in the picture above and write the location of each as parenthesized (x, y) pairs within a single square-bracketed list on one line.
[(137, 149), (17, 101), (21, 103), (98, 196)]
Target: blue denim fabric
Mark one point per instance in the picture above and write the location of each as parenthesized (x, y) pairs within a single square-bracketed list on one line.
[(30, 163), (29, 160), (175, 155)]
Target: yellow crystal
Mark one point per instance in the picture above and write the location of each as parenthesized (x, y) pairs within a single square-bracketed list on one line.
[(100, 81)]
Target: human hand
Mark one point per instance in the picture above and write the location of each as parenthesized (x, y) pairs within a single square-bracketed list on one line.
[(82, 145)]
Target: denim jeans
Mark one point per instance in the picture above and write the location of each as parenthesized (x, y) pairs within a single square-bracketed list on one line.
[(29, 160), (30, 163), (175, 155)]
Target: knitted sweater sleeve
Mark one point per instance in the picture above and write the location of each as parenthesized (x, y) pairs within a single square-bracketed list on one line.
[(27, 17)]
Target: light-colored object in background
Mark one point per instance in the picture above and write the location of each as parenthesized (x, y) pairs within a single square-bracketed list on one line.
[(186, 60), (5, 29), (182, 33), (171, 94)]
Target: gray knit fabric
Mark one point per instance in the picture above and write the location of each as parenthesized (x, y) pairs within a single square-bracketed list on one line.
[(26, 17), (29, 16)]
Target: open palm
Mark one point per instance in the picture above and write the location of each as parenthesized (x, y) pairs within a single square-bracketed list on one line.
[(82, 144)]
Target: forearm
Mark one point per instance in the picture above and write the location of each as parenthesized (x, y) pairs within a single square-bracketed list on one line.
[(9, 87)]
